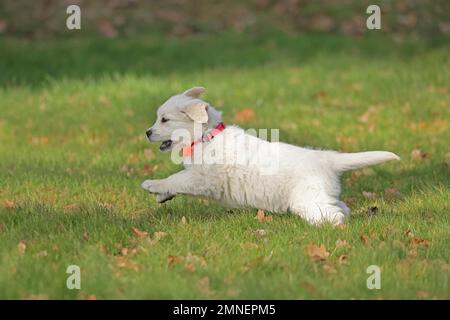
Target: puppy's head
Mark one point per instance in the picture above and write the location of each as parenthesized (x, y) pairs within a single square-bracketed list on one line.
[(181, 112)]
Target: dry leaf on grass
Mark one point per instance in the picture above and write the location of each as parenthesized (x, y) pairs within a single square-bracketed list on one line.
[(343, 259), (416, 242), (372, 211), (171, 260), (317, 253), (9, 204), (364, 239), (369, 195), (260, 233), (125, 263), (244, 115), (261, 216), (21, 247), (342, 244), (158, 235), (418, 154), (139, 233)]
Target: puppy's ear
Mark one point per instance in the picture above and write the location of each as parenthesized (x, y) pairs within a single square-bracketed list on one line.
[(197, 112), (194, 92)]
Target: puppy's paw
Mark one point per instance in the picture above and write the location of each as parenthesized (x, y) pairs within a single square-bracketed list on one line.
[(150, 186), (161, 198)]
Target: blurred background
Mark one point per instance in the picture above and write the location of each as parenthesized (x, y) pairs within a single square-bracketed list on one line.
[(186, 18)]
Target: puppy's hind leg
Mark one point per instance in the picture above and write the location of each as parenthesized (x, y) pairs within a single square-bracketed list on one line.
[(163, 197)]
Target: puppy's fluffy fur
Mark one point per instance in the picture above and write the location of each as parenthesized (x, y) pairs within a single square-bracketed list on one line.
[(302, 181)]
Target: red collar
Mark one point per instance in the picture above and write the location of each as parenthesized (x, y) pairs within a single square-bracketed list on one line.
[(187, 151)]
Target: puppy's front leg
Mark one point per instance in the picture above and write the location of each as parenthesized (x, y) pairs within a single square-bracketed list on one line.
[(183, 182)]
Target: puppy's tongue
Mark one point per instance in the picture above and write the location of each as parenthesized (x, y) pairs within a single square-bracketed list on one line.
[(165, 145)]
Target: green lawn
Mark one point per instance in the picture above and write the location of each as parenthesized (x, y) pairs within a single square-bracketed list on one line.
[(73, 113)]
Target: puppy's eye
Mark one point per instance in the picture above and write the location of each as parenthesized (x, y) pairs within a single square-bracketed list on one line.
[(164, 120)]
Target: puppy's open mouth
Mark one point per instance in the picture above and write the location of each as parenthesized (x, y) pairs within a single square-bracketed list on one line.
[(165, 145)]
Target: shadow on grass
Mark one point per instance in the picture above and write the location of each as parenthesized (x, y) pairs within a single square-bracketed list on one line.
[(34, 63)]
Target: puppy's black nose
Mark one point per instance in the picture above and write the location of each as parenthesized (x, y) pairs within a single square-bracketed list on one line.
[(148, 133)]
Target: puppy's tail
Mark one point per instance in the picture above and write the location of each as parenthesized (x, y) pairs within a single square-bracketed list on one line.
[(352, 161)]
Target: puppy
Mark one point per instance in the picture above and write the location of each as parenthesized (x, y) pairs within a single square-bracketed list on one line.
[(240, 170)]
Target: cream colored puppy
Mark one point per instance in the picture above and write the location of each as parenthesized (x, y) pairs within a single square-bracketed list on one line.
[(240, 170)]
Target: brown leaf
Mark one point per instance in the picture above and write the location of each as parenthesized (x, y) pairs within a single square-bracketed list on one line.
[(392, 193), (447, 159), (244, 115), (418, 154), (409, 233), (9, 204), (329, 268), (38, 141), (174, 259), (41, 254), (317, 253), (261, 216), (372, 211), (367, 117), (260, 233), (148, 154), (139, 233), (369, 195), (21, 247), (364, 239), (158, 235), (125, 263), (416, 242), (343, 259), (341, 243)]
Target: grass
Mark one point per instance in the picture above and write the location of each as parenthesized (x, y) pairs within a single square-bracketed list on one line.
[(73, 113)]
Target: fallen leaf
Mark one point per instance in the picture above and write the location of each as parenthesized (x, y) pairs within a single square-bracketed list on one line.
[(317, 253), (329, 268), (422, 294), (41, 254), (174, 259), (158, 235), (447, 159), (372, 211), (244, 115), (364, 239), (21, 247), (369, 195), (39, 141), (341, 243), (260, 232), (392, 193), (409, 233), (9, 204), (368, 116), (148, 154), (418, 154), (416, 242), (261, 217), (183, 220), (125, 263), (343, 259), (139, 233)]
